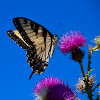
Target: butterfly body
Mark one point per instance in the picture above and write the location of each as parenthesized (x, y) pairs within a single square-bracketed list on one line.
[(36, 39)]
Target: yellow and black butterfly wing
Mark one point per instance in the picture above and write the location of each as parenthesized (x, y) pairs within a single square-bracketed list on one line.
[(38, 58), (15, 35), (34, 34), (39, 41), (30, 30)]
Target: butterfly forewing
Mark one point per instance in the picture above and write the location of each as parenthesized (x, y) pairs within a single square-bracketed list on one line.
[(28, 28)]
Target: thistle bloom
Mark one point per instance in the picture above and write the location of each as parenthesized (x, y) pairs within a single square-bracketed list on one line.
[(68, 43), (51, 88), (97, 40)]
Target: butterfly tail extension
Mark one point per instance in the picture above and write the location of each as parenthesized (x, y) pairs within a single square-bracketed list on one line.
[(31, 75)]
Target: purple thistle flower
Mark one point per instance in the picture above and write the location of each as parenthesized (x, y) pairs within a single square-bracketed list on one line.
[(70, 42), (51, 88)]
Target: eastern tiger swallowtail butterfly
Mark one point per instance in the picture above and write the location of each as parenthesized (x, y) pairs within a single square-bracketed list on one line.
[(37, 40)]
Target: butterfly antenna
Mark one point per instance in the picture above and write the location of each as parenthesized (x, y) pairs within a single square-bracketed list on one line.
[(57, 27), (31, 75), (63, 28)]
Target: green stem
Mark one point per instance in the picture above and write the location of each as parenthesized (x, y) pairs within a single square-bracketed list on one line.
[(88, 91), (89, 58), (96, 87), (81, 65), (98, 96)]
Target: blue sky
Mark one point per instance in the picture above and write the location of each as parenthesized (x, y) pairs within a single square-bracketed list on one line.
[(79, 15)]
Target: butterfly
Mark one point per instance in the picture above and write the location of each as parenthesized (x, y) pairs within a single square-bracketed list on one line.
[(37, 40)]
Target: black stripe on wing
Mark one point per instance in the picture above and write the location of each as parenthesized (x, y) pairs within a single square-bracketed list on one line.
[(17, 40), (44, 35), (24, 26), (19, 27)]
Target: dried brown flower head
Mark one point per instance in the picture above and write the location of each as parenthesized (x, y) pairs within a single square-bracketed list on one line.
[(81, 85), (91, 80)]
